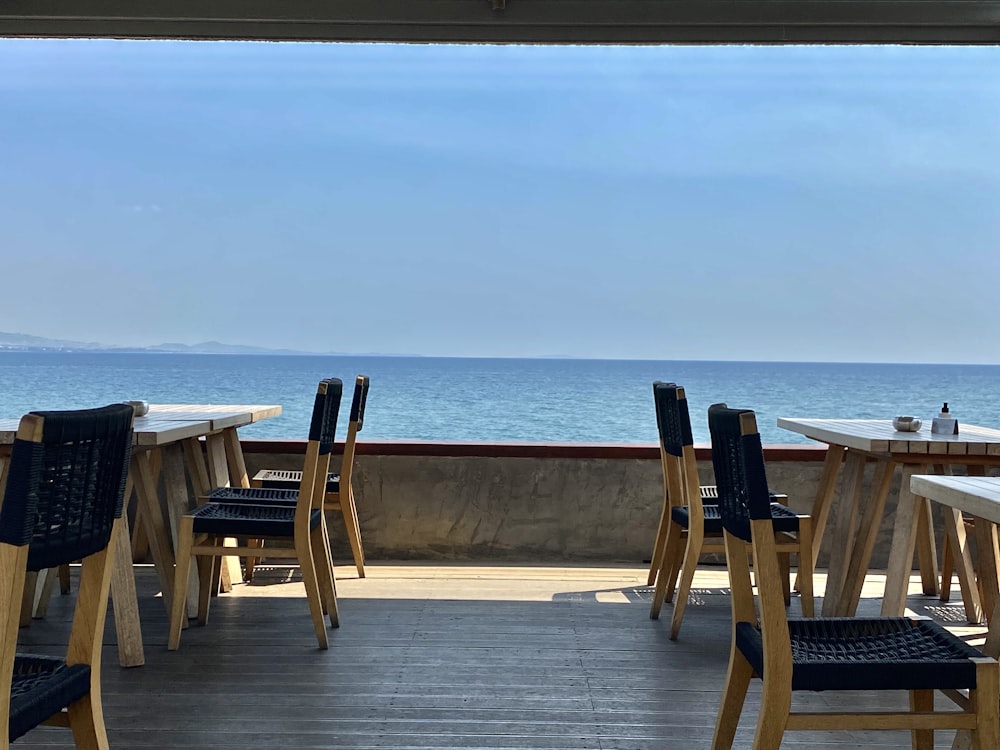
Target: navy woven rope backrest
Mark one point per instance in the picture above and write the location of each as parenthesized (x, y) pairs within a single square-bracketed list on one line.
[(65, 491), (323, 425), (738, 461), (672, 417), (359, 401)]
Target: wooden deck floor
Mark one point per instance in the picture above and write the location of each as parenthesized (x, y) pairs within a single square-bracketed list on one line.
[(455, 656)]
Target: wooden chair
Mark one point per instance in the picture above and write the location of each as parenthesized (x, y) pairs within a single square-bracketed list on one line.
[(880, 653), (62, 501), (335, 497), (667, 465), (695, 528), (294, 516)]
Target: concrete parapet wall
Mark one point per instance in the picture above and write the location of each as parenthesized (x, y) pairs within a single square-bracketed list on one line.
[(541, 505)]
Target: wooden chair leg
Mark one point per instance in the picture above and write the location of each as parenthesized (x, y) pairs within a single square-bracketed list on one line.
[(785, 565), (669, 568), (805, 572), (922, 700), (675, 560), (659, 546), (303, 549), (692, 551), (86, 720), (209, 574), (775, 705), (324, 570), (216, 583), (178, 608), (733, 696), (350, 513), (64, 580), (985, 699), (252, 562)]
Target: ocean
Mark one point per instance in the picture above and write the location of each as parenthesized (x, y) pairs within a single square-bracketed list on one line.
[(501, 400)]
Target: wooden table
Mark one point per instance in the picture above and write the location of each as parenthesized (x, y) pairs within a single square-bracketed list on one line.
[(855, 442), (170, 435), (979, 497)]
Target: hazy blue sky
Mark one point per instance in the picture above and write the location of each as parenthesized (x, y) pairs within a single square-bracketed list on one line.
[(824, 203)]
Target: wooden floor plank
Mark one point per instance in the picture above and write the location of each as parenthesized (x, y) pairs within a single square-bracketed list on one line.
[(446, 657)]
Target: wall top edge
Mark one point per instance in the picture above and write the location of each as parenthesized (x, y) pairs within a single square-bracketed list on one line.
[(649, 451)]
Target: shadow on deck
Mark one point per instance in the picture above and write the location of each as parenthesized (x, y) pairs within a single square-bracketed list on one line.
[(450, 656)]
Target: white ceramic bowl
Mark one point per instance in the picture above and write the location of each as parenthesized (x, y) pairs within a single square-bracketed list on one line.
[(141, 408), (906, 424)]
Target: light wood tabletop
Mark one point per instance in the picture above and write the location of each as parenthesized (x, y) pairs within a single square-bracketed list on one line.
[(978, 496), (879, 436)]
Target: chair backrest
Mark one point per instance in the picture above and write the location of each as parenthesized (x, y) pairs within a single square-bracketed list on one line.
[(680, 467), (322, 431), (672, 418), (66, 482), (745, 507), (353, 428), (358, 402), (738, 461)]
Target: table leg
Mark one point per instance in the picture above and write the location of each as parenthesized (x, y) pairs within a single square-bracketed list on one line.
[(195, 461), (845, 520), (234, 455), (124, 602), (159, 539), (904, 540), (140, 544), (926, 548), (961, 556), (865, 543), (178, 502), (987, 553), (201, 483), (824, 496)]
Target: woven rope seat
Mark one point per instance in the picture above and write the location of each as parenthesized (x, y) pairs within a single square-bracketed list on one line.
[(278, 479), (784, 518), (252, 495), (848, 653), (246, 519), (42, 685)]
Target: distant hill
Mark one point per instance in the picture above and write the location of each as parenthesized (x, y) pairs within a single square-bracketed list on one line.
[(22, 342)]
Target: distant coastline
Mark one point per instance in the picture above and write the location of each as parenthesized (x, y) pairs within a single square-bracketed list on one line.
[(22, 343), (25, 343)]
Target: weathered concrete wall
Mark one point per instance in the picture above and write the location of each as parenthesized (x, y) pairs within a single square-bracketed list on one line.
[(538, 509)]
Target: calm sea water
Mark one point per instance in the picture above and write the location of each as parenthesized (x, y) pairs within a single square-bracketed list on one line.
[(501, 400)]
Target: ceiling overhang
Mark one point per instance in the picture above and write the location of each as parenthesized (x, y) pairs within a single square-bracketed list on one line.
[(514, 21)]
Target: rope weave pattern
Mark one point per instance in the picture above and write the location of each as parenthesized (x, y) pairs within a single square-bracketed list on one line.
[(895, 640), (253, 495), (359, 401), (284, 479), (672, 418), (740, 479), (323, 425), (66, 491)]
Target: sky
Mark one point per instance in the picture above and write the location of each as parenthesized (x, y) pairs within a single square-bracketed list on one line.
[(715, 203)]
